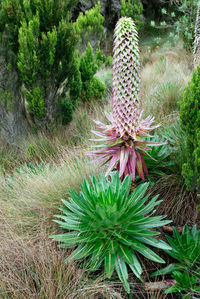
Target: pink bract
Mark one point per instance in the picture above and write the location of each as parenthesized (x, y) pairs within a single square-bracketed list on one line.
[(124, 145)]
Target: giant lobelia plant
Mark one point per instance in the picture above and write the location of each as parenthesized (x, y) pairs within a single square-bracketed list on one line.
[(124, 145), (108, 226)]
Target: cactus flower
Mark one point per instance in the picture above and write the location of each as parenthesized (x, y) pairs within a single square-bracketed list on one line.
[(124, 144)]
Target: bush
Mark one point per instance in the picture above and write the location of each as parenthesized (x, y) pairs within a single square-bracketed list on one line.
[(185, 284), (88, 67), (100, 57), (38, 40), (175, 136), (184, 249), (133, 9), (93, 90), (109, 225), (66, 110), (90, 26), (190, 120), (75, 80), (182, 20), (109, 61), (92, 87)]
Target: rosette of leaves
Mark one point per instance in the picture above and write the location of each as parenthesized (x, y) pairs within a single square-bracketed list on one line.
[(123, 142), (108, 226), (185, 249), (185, 284)]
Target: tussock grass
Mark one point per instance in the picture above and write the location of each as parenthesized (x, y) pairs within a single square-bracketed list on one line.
[(29, 199), (36, 268), (53, 147), (163, 80), (178, 204)]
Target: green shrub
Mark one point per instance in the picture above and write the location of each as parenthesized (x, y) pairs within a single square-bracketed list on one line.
[(37, 41), (105, 76), (92, 88), (133, 9), (109, 61), (35, 101), (90, 24), (185, 284), (75, 80), (88, 67), (100, 58), (190, 121), (108, 225), (182, 19), (185, 249), (161, 163), (175, 137), (66, 110)]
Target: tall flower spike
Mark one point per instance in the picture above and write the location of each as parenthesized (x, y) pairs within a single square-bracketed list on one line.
[(126, 78), (124, 144)]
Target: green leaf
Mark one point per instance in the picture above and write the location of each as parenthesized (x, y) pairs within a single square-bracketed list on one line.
[(67, 238), (82, 251), (148, 253), (172, 289), (122, 273), (167, 270), (125, 254), (136, 266), (109, 263), (154, 242)]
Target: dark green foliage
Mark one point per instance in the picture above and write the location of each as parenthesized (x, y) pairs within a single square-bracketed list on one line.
[(38, 39), (181, 16), (108, 225), (88, 67), (133, 9), (35, 101), (109, 61), (92, 88), (175, 137), (75, 80), (185, 249), (161, 162), (100, 57), (190, 121), (66, 110), (185, 284), (90, 25), (185, 25)]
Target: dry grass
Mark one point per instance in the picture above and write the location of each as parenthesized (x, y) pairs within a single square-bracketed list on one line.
[(164, 77), (35, 268), (29, 199), (178, 204)]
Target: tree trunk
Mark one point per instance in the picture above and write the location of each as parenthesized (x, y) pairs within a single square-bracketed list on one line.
[(13, 122), (197, 39)]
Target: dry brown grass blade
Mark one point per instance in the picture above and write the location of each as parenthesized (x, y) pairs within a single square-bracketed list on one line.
[(178, 204), (36, 268)]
